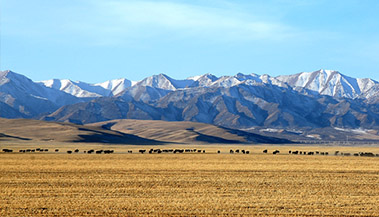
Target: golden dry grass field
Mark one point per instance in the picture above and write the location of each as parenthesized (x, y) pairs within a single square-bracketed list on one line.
[(210, 184)]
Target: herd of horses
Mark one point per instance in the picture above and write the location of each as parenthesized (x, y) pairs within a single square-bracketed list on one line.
[(178, 151)]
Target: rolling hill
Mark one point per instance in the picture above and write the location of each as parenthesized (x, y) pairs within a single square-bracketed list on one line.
[(35, 130), (138, 132), (185, 132)]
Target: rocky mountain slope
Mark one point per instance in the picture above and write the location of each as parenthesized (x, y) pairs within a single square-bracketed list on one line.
[(25, 98)]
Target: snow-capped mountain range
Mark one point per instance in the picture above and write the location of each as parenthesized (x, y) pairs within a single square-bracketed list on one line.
[(309, 99), (323, 82)]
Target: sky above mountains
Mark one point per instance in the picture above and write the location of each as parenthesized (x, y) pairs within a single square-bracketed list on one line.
[(98, 40)]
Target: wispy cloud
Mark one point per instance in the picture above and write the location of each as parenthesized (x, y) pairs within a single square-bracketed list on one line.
[(125, 20)]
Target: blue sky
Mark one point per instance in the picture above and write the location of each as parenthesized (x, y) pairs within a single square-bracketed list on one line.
[(98, 40)]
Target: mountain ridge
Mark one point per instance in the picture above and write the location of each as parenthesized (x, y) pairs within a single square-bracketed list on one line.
[(324, 82)]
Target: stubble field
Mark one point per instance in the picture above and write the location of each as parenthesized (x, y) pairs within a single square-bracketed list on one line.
[(189, 184)]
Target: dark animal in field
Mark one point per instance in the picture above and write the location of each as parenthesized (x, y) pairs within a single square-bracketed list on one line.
[(367, 154), (56, 150), (108, 151), (33, 150), (203, 151), (301, 152), (28, 150), (46, 150), (69, 152), (276, 152), (151, 151), (231, 151), (295, 152), (311, 153), (142, 151), (76, 150), (218, 152), (326, 153), (243, 151), (180, 151), (289, 152), (130, 152), (237, 151), (99, 151), (265, 151), (317, 152), (198, 151), (7, 150), (90, 151), (247, 152)]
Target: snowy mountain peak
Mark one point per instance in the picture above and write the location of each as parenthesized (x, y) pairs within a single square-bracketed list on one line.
[(328, 82), (160, 81), (165, 82), (205, 80), (85, 90), (116, 86), (204, 76)]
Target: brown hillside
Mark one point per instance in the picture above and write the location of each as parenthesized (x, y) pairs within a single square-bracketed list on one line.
[(26, 129), (184, 132)]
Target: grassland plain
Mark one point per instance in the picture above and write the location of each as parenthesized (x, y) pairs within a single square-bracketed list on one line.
[(58, 184)]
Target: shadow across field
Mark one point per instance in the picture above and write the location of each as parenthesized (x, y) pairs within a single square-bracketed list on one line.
[(186, 132), (5, 136), (97, 136)]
